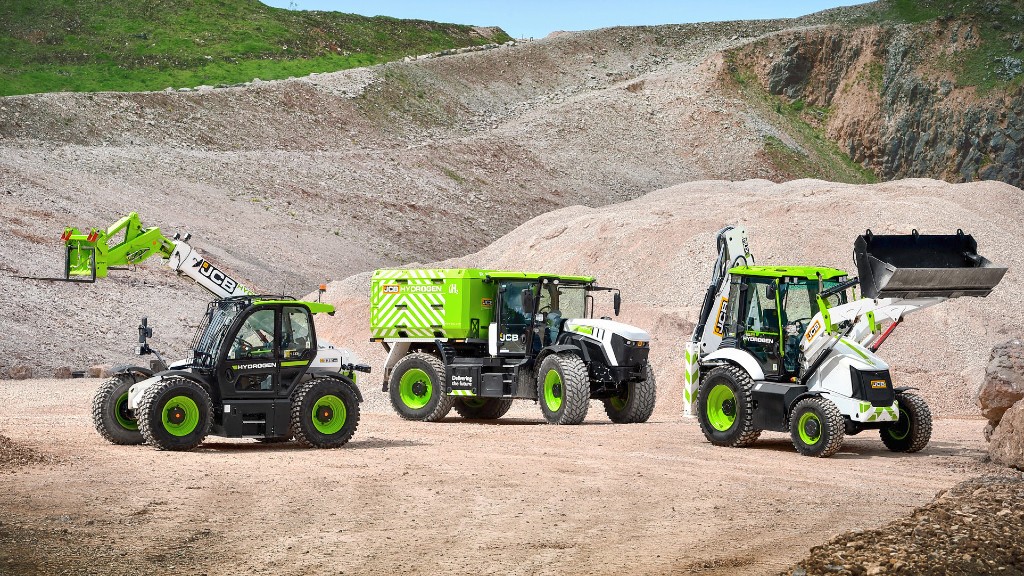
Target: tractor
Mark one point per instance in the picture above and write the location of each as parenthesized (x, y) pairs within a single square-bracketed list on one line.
[(475, 340), (786, 348)]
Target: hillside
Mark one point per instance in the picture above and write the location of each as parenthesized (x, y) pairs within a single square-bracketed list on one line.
[(291, 183), (91, 45)]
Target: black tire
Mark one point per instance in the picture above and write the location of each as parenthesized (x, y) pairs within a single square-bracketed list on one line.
[(425, 398), (914, 428), (638, 403), (563, 389), (175, 414), (731, 420), (110, 414), (325, 413), (477, 408), (817, 427)]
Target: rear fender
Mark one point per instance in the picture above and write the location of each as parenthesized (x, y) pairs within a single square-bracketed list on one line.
[(346, 382)]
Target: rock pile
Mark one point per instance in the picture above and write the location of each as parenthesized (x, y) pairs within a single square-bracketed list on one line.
[(1001, 399), (13, 455), (973, 528)]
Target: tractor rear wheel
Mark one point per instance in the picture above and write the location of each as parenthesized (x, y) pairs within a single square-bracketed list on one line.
[(325, 413), (725, 407), (175, 414), (475, 407), (563, 388), (913, 430), (110, 414), (817, 427), (417, 388), (636, 404)]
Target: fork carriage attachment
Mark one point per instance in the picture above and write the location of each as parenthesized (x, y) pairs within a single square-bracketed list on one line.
[(923, 265)]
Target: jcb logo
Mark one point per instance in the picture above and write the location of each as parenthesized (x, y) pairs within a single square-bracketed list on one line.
[(216, 276), (486, 303), (878, 383), (508, 337), (720, 319), (813, 330), (392, 289)]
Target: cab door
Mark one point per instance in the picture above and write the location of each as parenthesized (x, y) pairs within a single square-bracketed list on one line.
[(759, 331), (298, 345), (516, 302), (250, 365)]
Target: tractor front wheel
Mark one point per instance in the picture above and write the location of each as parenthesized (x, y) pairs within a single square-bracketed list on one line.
[(325, 413), (417, 388), (725, 407), (175, 414), (636, 403), (563, 388), (816, 426), (913, 430), (110, 414), (475, 407)]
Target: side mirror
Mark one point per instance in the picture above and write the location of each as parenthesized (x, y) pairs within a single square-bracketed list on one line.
[(617, 303), (770, 291)]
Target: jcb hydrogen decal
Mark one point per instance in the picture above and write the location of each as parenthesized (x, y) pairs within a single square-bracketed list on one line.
[(410, 288), (487, 303), (216, 276), (257, 366), (878, 383), (391, 289), (720, 317), (813, 330)]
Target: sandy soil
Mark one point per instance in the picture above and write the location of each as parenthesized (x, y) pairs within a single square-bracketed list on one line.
[(516, 497)]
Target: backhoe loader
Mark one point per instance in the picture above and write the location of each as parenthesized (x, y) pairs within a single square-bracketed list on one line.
[(788, 348)]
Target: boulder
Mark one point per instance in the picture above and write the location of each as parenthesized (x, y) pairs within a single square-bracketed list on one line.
[(1007, 447), (1003, 385), (62, 373), (100, 371), (21, 372)]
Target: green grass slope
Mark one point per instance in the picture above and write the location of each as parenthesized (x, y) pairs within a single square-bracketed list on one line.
[(131, 45)]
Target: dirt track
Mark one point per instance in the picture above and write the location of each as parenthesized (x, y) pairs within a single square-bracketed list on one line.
[(517, 497)]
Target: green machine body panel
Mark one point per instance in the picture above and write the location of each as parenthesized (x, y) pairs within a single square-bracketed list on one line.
[(440, 303)]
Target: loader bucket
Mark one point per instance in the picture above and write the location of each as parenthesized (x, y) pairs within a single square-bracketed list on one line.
[(919, 265)]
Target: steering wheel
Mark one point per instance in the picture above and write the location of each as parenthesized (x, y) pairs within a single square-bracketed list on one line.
[(541, 311)]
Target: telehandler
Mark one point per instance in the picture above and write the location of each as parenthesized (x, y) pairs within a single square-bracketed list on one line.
[(784, 348), (256, 368)]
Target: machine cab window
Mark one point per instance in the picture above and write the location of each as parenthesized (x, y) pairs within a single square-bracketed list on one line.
[(255, 338), (296, 336)]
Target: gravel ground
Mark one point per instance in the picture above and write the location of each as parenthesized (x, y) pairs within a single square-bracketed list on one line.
[(513, 497), (13, 455), (973, 528)]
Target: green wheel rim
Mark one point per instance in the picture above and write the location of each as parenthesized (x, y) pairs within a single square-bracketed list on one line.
[(901, 428), (190, 416), (406, 392), (474, 402), (121, 414), (329, 414), (801, 427), (720, 416), (553, 390), (619, 402)]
